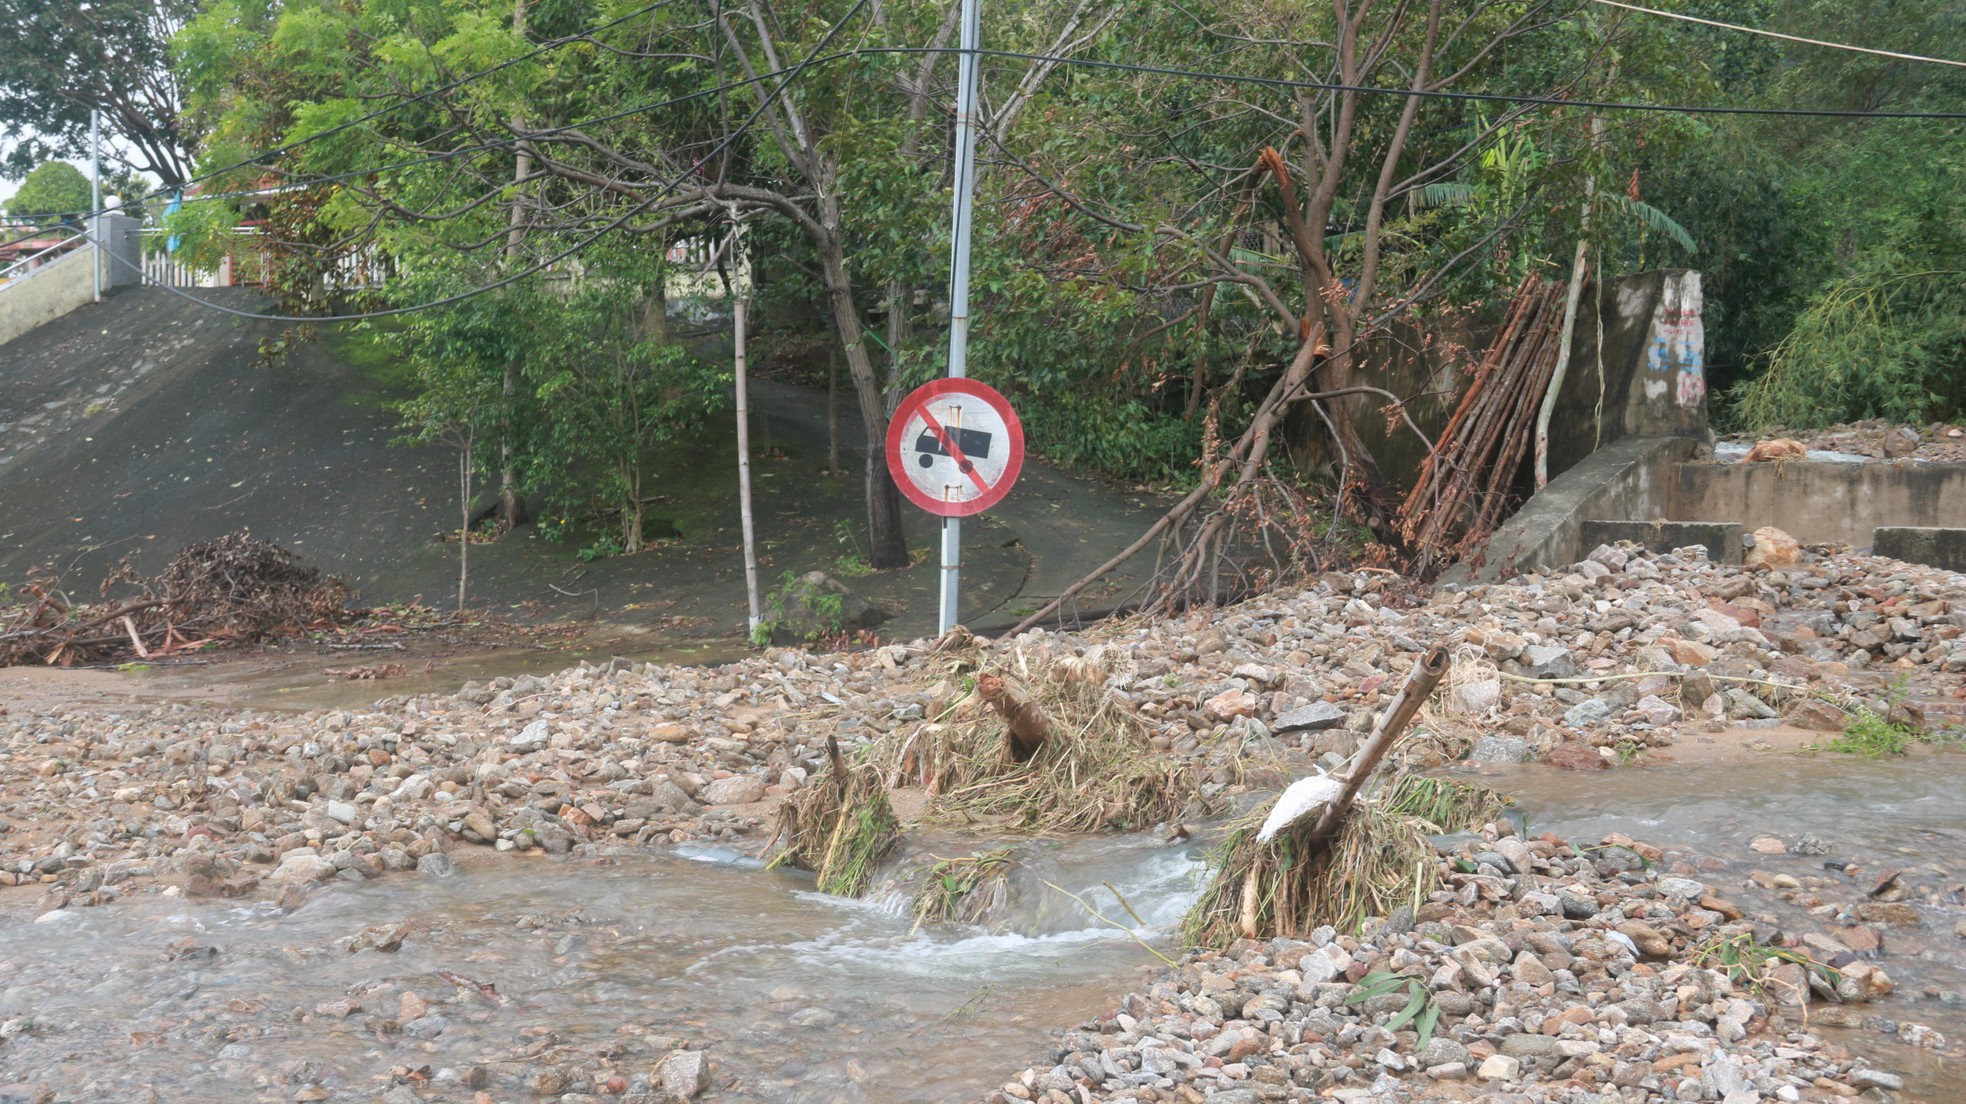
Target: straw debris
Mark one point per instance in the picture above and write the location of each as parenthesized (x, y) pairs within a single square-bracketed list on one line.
[(840, 829), (1093, 770), (1379, 860)]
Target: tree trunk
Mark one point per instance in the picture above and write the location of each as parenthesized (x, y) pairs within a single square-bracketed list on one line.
[(887, 547), (464, 466)]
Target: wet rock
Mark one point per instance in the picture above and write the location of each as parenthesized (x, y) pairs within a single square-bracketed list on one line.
[(437, 865), (301, 867), (1501, 749), (1571, 755), (684, 1073), (1817, 716)]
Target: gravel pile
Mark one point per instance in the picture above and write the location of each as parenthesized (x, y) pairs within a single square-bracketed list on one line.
[(1553, 973)]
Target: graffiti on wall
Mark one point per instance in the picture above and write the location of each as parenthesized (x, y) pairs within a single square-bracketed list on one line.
[(1675, 354)]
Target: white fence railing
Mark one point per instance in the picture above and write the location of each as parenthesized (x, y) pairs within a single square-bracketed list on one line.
[(248, 262)]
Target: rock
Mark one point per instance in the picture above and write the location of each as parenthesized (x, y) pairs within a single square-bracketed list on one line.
[(478, 827), (1870, 1078), (1817, 716), (1773, 548), (411, 1008), (301, 867), (684, 1073), (1499, 1067), (1230, 704), (742, 789), (1901, 442), (343, 811), (1500, 749), (1577, 907), (1590, 711), (437, 865), (1571, 755), (1481, 695), (1439, 1051), (815, 606), (1657, 710), (1767, 845), (1546, 661), (1310, 718), (1723, 1076)]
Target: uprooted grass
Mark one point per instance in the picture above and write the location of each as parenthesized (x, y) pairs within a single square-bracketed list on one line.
[(966, 890), (1379, 860), (1095, 770), (840, 828)]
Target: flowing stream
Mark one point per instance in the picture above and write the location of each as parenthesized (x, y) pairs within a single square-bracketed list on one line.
[(601, 966)]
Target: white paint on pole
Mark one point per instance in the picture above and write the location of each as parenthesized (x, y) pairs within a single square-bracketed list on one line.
[(744, 460), (968, 43), (95, 198)]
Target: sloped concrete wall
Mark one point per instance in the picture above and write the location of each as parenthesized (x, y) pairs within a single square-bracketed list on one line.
[(50, 292)]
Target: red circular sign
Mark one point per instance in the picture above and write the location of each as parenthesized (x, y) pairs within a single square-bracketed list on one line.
[(955, 447)]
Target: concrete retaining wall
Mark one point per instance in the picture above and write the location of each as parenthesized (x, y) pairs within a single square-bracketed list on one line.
[(1821, 502), (1628, 479), (62, 285), (50, 292)]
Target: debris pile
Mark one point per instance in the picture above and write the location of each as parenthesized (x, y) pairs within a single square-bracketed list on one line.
[(233, 590)]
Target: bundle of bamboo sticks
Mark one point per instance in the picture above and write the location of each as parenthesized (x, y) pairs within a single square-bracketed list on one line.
[(1463, 488)]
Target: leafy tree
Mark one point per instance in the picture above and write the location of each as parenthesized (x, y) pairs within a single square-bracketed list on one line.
[(68, 59), (55, 191)]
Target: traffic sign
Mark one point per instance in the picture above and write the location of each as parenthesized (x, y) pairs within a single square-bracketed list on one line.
[(955, 447)]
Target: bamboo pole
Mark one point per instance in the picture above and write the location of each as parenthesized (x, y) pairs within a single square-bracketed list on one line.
[(1419, 686)]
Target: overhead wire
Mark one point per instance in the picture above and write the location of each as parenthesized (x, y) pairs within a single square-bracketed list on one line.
[(1777, 34), (818, 58)]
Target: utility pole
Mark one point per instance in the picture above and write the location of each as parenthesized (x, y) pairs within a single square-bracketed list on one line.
[(95, 197), (744, 435), (965, 188)]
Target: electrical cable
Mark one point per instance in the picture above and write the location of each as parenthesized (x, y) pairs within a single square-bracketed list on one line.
[(1778, 34), (742, 128)]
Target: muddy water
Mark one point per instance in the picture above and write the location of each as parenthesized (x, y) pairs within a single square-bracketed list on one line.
[(600, 967), (1874, 815)]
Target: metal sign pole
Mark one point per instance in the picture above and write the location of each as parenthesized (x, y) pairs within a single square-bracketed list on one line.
[(965, 188), (95, 198)]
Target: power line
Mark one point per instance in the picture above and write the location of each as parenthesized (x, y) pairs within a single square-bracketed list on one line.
[(742, 128), (1778, 34), (1442, 94)]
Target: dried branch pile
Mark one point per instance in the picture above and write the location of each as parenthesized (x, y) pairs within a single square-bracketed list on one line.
[(233, 590), (1464, 485)]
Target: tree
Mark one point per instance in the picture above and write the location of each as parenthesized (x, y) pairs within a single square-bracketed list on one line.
[(55, 191), (69, 59)]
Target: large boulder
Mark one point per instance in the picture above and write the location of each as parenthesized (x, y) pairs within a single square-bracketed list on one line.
[(816, 605)]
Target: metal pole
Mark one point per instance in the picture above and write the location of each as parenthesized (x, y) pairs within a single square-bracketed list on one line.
[(744, 448), (965, 188), (95, 197)]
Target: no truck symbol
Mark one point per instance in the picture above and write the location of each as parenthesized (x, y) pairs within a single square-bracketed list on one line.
[(974, 444), (954, 447)]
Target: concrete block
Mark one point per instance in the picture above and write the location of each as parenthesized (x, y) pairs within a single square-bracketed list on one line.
[(1934, 547), (1722, 538)]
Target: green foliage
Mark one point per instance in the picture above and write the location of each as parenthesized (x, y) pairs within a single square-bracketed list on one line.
[(1750, 963), (55, 191), (1421, 1010), (819, 613), (71, 58)]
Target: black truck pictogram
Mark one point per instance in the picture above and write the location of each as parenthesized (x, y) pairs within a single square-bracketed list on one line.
[(974, 443)]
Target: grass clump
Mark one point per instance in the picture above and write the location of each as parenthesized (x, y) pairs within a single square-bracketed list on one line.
[(1751, 963), (964, 890), (1379, 860), (1875, 737), (840, 829)]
